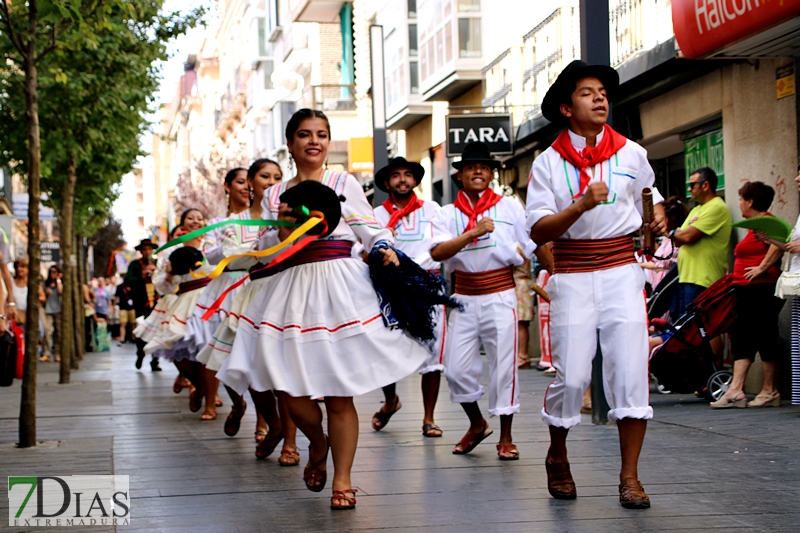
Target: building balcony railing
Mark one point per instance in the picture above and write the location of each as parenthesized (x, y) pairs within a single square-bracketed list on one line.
[(330, 98), (636, 26)]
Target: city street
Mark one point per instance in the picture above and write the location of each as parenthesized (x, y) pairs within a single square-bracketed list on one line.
[(733, 470)]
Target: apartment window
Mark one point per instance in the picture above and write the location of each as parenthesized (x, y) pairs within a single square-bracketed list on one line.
[(469, 6), (141, 222), (414, 77), (139, 198), (469, 37), (266, 68), (412, 9), (413, 46)]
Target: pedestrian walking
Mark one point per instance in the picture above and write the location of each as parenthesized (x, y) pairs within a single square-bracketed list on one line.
[(585, 195), (139, 279), (53, 289)]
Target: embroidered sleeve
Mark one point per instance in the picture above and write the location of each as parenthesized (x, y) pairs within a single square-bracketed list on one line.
[(520, 230), (164, 285), (541, 198), (358, 214)]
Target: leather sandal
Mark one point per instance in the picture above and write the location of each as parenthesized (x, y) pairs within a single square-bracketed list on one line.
[(234, 420), (265, 448), (632, 495), (289, 458), (507, 452), (260, 435), (381, 418), (429, 430), (470, 440), (177, 386), (342, 495), (560, 484), (766, 400), (195, 400), (314, 477)]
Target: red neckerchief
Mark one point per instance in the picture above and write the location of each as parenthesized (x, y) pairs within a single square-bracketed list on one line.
[(395, 215), (486, 201), (611, 144)]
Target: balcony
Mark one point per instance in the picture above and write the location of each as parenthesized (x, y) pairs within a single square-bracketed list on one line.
[(636, 26), (324, 11), (330, 98)]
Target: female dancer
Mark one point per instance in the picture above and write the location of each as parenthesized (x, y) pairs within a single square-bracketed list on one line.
[(320, 330), (173, 340), (262, 174)]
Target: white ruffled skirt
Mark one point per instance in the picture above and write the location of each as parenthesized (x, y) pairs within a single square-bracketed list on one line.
[(175, 339), (317, 330), (202, 329), (147, 328)]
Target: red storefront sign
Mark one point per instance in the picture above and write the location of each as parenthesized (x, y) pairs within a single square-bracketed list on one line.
[(702, 26)]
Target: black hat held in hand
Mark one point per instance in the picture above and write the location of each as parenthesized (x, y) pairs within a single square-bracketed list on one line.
[(564, 86), (382, 176), (477, 152), (184, 260), (315, 196)]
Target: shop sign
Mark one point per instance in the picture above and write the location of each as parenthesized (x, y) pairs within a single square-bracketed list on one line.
[(360, 155), (705, 151), (784, 81), (494, 130), (703, 26), (50, 252), (19, 203)]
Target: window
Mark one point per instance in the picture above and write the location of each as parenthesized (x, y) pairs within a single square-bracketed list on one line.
[(266, 68), (141, 222), (469, 6), (414, 77), (412, 9), (413, 47), (139, 197), (469, 37)]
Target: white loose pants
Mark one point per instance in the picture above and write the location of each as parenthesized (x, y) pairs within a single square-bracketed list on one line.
[(489, 320), (609, 306), (435, 361)]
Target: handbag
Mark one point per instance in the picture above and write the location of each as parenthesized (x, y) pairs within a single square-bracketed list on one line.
[(788, 284)]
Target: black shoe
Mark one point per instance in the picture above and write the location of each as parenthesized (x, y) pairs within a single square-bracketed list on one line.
[(139, 359), (154, 366)]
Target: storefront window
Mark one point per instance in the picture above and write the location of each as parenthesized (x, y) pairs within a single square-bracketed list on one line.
[(469, 37)]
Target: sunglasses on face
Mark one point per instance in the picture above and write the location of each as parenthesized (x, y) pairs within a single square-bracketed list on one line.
[(693, 183)]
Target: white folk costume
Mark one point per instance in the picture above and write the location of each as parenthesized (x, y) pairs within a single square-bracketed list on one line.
[(595, 297), (225, 241), (175, 338), (315, 328), (413, 235), (485, 286)]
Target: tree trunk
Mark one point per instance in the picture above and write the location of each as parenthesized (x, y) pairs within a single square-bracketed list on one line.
[(27, 409), (67, 307), (80, 338)]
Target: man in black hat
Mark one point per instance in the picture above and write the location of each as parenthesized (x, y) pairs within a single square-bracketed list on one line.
[(477, 238), (411, 221), (585, 195), (143, 292)]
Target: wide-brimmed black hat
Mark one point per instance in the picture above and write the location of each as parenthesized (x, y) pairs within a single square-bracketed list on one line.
[(144, 243), (477, 152), (382, 176), (565, 86), (315, 196), (184, 260)]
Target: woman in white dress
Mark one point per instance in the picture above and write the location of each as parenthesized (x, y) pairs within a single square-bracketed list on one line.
[(316, 328), (261, 175)]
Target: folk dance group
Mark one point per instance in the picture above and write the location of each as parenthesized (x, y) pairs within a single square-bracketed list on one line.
[(314, 328)]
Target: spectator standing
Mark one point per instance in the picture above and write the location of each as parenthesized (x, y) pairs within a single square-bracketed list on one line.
[(20, 289), (127, 314), (102, 299), (5, 259), (655, 270), (703, 239), (52, 312), (143, 292), (755, 271)]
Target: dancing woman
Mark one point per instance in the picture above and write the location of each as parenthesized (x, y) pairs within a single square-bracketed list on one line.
[(261, 175), (315, 329)]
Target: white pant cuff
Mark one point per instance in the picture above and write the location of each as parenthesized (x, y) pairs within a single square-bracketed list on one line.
[(565, 423), (512, 410), (432, 368), (466, 398), (642, 413)]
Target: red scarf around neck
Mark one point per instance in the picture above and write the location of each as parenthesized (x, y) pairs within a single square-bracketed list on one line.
[(588, 157), (395, 215), (487, 200)]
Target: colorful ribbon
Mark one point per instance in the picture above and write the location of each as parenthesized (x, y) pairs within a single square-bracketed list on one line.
[(202, 231)]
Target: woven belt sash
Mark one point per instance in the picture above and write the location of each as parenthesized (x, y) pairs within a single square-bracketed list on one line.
[(487, 282), (192, 284), (588, 255), (315, 252), (436, 272)]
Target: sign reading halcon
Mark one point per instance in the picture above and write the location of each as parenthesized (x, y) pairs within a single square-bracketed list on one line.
[(703, 26), (494, 130)]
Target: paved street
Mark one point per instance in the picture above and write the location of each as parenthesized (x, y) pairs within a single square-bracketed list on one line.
[(736, 470)]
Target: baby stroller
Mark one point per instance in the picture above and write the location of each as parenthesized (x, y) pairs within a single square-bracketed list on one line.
[(685, 362)]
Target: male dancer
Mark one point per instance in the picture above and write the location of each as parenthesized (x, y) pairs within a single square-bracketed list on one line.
[(411, 221), (477, 237), (585, 195), (143, 292)]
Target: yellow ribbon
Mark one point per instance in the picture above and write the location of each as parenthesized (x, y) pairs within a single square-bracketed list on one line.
[(296, 234)]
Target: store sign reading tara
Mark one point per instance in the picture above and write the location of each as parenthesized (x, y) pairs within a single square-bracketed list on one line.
[(494, 130)]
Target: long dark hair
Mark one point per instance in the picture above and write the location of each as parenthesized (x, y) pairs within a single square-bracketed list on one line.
[(231, 175), (258, 164), (675, 212), (186, 214), (50, 281), (299, 116)]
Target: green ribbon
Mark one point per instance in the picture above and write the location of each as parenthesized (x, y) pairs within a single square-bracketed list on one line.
[(202, 231)]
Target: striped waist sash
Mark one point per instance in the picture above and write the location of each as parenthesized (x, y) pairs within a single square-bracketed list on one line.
[(487, 282), (588, 255), (436, 272), (188, 286), (314, 252)]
